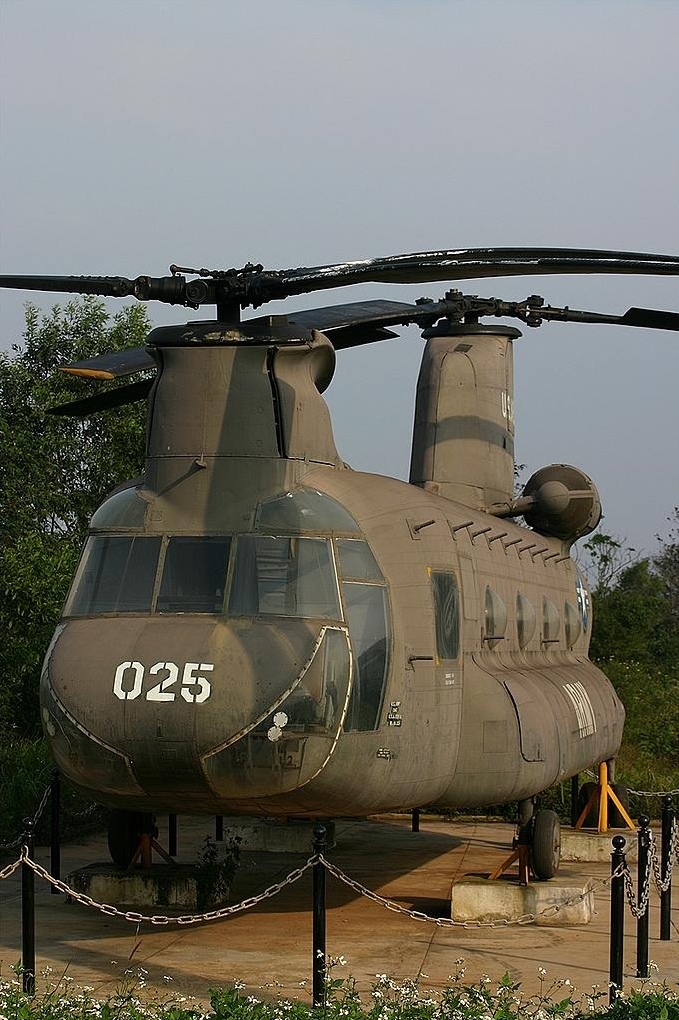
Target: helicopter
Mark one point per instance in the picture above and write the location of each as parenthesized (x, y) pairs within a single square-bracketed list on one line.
[(254, 628)]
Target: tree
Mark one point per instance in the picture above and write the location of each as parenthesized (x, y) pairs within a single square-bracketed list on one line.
[(606, 557), (54, 471), (666, 564)]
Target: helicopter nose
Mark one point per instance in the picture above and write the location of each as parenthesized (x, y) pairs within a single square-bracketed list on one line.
[(144, 705)]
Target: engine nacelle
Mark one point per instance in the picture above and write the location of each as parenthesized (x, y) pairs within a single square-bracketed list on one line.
[(563, 502)]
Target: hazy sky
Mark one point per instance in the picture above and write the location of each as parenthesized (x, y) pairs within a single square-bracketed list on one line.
[(302, 132)]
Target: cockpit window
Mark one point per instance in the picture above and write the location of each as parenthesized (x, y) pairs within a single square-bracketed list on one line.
[(194, 575), (284, 577), (303, 510), (116, 575), (357, 561)]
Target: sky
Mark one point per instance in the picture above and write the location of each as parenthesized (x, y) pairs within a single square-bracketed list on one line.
[(306, 132)]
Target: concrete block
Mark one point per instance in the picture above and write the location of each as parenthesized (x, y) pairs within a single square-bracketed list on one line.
[(161, 885), (584, 845), (475, 898)]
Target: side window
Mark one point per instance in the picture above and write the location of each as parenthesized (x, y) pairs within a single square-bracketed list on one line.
[(526, 620), (367, 618), (367, 612), (573, 623), (446, 613), (495, 618), (551, 623)]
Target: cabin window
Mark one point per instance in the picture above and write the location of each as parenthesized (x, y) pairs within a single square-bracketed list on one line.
[(366, 607), (573, 624), (551, 623), (284, 577), (304, 510), (495, 617), (526, 620), (116, 575), (194, 574), (446, 613)]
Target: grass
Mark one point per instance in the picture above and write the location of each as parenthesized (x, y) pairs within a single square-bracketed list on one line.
[(387, 1000)]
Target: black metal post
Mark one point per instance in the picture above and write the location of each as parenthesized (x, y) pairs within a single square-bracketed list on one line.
[(416, 819), (28, 913), (617, 916), (172, 835), (666, 867), (643, 888), (219, 828), (55, 845), (318, 936), (575, 791)]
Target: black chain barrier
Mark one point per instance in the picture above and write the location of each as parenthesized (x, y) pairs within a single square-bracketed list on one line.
[(650, 866)]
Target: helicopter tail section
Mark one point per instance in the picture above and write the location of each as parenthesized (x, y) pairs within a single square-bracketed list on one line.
[(463, 437)]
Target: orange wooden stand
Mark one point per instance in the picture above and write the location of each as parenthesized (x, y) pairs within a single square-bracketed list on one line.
[(602, 793)]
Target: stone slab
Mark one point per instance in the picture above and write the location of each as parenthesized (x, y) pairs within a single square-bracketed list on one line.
[(476, 898), (161, 885), (582, 845)]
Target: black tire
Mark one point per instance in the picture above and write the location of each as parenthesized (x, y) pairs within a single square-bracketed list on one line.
[(592, 817), (615, 819), (545, 845), (124, 833)]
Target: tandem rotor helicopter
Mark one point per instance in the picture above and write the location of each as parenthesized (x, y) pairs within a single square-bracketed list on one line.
[(255, 628)]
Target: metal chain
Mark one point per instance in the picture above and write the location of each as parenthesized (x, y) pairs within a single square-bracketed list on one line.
[(638, 908), (159, 919), (654, 793), (672, 856), (10, 869), (447, 922), (418, 915), (76, 815)]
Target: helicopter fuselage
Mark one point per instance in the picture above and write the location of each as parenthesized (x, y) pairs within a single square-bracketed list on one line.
[(254, 628)]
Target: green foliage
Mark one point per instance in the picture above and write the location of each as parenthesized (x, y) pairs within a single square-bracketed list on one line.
[(633, 621), (25, 771), (387, 1000), (214, 871), (54, 471)]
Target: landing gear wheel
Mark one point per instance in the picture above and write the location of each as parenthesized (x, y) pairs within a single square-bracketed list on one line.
[(545, 844), (125, 829)]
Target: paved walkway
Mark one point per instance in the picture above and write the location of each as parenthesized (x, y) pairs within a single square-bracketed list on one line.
[(268, 947)]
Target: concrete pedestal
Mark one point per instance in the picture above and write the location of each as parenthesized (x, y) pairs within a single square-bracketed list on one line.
[(585, 845), (161, 885), (476, 898)]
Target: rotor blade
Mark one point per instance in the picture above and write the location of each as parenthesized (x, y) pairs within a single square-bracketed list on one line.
[(173, 290), (473, 263), (646, 318), (230, 289), (349, 314), (113, 365), (105, 400), (650, 318)]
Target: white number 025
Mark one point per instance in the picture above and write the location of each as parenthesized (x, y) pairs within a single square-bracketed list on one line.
[(128, 682)]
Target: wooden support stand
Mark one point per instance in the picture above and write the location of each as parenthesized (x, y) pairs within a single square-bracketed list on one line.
[(600, 795), (521, 854), (143, 853)]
